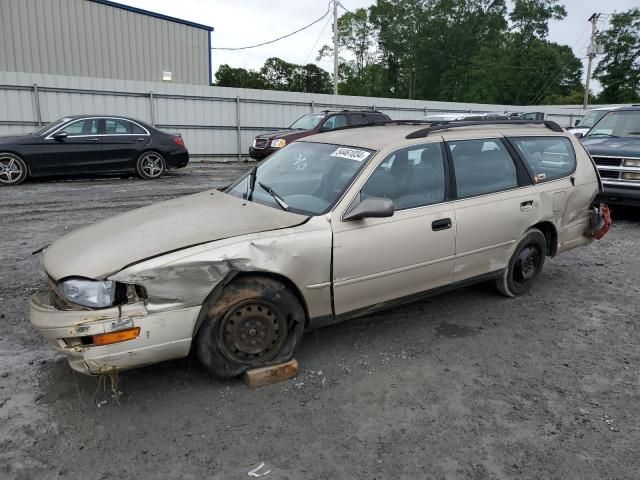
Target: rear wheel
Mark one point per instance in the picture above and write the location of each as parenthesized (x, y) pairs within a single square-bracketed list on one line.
[(525, 265), (150, 165), (13, 170), (257, 321)]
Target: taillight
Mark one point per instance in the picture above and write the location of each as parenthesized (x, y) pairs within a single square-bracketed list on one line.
[(604, 222), (178, 141)]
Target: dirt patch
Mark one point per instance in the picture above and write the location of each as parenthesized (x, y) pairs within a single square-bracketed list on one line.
[(464, 385)]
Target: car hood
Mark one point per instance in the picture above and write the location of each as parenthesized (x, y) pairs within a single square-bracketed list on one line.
[(13, 139), (286, 134), (618, 146), (104, 248)]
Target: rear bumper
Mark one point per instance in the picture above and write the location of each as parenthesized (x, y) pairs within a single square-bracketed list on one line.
[(178, 159), (163, 336), (619, 195), (260, 153)]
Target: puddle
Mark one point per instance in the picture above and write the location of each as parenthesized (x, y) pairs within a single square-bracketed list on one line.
[(451, 330)]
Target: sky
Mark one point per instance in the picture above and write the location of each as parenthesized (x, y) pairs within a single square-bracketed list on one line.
[(240, 23)]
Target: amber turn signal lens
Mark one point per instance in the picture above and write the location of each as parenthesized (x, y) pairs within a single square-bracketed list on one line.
[(116, 337)]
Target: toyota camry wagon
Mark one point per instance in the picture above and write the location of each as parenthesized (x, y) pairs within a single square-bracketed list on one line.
[(379, 215)]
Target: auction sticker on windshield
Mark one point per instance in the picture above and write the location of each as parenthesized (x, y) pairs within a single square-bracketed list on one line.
[(351, 153)]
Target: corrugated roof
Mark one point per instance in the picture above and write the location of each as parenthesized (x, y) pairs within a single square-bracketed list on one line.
[(153, 14)]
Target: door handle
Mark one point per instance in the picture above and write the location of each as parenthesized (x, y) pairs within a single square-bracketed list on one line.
[(139, 139), (442, 224), (90, 139), (526, 206)]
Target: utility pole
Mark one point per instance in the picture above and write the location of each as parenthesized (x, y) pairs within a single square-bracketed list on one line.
[(335, 47), (591, 53)]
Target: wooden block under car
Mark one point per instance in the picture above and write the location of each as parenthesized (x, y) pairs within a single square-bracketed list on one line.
[(260, 377)]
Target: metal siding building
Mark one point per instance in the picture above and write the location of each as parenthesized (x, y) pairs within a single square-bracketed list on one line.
[(103, 39)]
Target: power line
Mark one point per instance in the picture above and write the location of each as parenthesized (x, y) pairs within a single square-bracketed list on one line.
[(317, 40), (555, 75), (276, 39)]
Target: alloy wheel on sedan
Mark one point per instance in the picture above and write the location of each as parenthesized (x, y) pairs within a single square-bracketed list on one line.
[(150, 165), (12, 169)]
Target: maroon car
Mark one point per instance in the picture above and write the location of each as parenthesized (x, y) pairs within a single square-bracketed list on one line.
[(267, 143)]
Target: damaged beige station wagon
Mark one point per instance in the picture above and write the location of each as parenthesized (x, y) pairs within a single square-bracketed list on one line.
[(330, 227)]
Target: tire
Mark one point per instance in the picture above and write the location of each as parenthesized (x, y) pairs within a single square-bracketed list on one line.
[(525, 264), (150, 165), (13, 170), (256, 322)]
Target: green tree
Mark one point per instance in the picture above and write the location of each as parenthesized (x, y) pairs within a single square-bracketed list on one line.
[(619, 69), (227, 76)]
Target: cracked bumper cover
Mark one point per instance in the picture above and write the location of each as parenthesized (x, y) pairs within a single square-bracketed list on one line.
[(163, 335)]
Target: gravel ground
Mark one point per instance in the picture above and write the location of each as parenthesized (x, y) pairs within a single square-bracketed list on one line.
[(467, 385)]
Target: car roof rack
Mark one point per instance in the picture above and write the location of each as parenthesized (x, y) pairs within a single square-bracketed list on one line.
[(354, 109), (553, 126), (386, 122)]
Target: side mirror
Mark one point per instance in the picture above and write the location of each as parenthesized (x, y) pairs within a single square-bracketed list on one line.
[(577, 123), (579, 134), (60, 136), (372, 207)]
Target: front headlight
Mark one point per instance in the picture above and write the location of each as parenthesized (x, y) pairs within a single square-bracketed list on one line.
[(89, 293), (278, 143), (632, 163)]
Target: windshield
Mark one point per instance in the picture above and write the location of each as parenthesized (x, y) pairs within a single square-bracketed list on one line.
[(591, 118), (308, 177), (51, 126), (307, 122), (617, 124)]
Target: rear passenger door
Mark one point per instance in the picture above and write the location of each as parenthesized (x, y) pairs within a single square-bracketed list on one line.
[(377, 260), (495, 203), (122, 143)]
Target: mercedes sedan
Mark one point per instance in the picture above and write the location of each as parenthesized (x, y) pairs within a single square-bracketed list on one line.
[(81, 145)]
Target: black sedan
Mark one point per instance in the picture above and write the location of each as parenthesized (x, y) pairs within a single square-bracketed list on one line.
[(88, 144)]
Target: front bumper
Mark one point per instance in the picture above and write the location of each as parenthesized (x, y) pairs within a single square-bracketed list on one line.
[(620, 195), (260, 153), (163, 335)]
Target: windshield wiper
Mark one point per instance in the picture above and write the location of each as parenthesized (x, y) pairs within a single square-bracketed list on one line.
[(608, 135), (281, 203), (251, 186)]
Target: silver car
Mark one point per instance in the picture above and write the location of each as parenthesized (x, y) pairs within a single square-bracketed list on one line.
[(378, 216)]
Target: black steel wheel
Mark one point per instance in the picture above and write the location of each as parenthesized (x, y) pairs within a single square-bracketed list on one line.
[(252, 332), (255, 321), (525, 264)]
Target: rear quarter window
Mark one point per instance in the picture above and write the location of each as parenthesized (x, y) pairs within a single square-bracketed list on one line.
[(548, 158), (376, 118)]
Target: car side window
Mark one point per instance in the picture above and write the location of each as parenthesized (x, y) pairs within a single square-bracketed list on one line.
[(482, 166), (376, 118), (411, 177), (335, 121), (548, 158), (88, 126), (358, 119), (115, 126)]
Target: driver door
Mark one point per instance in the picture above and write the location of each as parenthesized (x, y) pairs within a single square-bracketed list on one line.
[(81, 147), (378, 260)]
